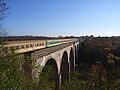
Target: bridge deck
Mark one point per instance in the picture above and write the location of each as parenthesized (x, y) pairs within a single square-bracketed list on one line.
[(47, 51)]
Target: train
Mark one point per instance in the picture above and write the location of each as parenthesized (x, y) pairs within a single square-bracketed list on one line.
[(31, 45)]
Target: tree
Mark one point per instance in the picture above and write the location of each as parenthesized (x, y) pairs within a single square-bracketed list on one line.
[(11, 77), (3, 10), (76, 83), (46, 79), (3, 14)]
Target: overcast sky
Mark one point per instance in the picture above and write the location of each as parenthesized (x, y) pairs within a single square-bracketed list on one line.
[(64, 17)]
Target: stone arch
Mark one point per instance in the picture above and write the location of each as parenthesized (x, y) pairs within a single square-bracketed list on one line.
[(64, 69), (72, 64), (50, 73)]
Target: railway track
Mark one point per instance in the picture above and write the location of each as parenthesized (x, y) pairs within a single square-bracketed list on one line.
[(47, 51)]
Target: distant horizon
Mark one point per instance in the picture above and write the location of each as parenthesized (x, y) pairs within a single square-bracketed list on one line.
[(61, 36), (66, 17)]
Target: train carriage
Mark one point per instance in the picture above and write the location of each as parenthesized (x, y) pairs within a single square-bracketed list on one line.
[(66, 41), (53, 42), (31, 45), (26, 46)]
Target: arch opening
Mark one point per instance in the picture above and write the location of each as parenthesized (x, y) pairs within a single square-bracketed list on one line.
[(48, 79), (78, 47), (71, 60), (75, 53), (64, 68)]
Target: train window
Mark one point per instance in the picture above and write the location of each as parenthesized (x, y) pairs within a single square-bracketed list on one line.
[(42, 44), (37, 44), (22, 46), (17, 47), (31, 45), (27, 46)]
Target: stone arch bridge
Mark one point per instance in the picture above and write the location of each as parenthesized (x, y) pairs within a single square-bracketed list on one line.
[(62, 57)]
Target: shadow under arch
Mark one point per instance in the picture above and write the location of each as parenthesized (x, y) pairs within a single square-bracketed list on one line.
[(78, 47), (64, 69), (71, 60), (75, 53), (48, 79)]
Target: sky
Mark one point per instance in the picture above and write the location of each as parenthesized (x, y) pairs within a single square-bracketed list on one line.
[(63, 17)]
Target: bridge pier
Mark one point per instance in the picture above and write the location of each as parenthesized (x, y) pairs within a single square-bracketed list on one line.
[(74, 56), (69, 72), (59, 75)]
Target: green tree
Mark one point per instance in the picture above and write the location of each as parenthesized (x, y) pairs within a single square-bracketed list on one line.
[(4, 11), (11, 77), (76, 83), (46, 79)]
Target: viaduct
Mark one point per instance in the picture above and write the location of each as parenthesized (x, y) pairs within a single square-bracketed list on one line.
[(61, 57)]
